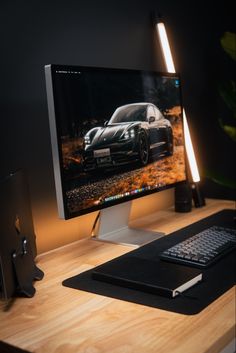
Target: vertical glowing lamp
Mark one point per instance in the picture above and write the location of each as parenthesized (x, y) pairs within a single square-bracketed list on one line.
[(197, 196)]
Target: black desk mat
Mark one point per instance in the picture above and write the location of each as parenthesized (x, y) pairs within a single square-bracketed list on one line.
[(8, 348), (217, 279)]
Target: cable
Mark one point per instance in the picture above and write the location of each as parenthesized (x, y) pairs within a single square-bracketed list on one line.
[(93, 235)]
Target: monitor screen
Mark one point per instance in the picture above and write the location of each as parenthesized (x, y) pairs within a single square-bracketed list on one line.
[(116, 135)]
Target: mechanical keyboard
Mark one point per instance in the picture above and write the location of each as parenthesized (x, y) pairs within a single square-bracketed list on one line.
[(202, 249)]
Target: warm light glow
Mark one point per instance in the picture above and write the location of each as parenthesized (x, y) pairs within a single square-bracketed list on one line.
[(165, 47), (190, 151), (171, 68)]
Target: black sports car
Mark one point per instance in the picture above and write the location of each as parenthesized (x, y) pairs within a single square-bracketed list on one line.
[(135, 132)]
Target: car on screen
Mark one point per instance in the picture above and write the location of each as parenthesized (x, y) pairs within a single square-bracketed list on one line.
[(135, 132)]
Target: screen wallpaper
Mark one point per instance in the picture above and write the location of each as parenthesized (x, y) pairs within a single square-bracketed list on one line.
[(120, 135)]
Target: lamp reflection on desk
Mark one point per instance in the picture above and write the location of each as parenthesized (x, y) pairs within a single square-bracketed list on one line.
[(165, 47)]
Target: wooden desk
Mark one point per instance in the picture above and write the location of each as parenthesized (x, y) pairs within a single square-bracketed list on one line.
[(63, 320)]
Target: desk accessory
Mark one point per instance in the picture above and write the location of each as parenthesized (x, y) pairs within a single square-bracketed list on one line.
[(202, 249), (150, 276), (17, 238), (183, 198)]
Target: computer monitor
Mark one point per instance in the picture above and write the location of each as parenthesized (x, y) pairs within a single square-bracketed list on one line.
[(117, 135)]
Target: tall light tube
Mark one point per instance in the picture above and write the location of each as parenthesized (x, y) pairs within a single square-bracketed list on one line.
[(165, 47), (166, 51), (190, 151)]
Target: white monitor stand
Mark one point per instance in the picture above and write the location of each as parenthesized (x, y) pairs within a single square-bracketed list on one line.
[(114, 227)]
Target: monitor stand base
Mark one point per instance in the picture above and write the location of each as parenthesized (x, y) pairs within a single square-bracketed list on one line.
[(129, 236), (114, 228)]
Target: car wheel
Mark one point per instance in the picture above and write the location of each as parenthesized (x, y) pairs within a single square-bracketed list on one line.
[(143, 148)]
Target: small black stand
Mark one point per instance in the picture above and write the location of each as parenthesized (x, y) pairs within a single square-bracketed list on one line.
[(186, 193), (198, 198), (17, 238), (25, 270), (183, 198)]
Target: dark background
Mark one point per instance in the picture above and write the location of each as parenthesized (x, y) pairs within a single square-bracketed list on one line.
[(116, 34)]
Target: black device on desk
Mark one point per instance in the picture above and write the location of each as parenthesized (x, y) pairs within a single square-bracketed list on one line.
[(117, 135), (159, 278), (17, 238), (202, 249)]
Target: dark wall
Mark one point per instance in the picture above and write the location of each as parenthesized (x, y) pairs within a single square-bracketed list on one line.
[(110, 34)]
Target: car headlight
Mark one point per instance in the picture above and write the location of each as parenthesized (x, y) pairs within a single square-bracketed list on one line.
[(87, 140), (129, 134)]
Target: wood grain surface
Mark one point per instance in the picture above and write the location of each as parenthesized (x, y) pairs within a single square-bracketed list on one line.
[(62, 320)]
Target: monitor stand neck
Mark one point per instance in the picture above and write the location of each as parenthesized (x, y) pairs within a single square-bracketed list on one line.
[(114, 227)]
